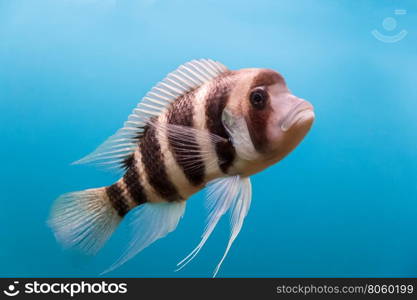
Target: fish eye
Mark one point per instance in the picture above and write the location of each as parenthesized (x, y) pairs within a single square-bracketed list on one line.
[(258, 98)]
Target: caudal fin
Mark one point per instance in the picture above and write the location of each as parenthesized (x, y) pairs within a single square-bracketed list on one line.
[(84, 220)]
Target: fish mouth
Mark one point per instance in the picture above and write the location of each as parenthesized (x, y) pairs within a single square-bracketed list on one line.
[(302, 111)]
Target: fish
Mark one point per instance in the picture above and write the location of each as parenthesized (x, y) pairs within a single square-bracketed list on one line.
[(202, 126)]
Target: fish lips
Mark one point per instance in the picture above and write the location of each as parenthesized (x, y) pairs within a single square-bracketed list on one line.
[(300, 112)]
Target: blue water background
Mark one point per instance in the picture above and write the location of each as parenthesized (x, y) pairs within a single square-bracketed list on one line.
[(344, 203)]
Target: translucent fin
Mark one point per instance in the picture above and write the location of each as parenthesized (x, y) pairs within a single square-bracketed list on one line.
[(224, 193), (83, 220), (148, 223), (179, 136), (238, 131), (187, 77), (239, 211)]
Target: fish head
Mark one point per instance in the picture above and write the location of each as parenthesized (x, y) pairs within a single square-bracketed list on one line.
[(276, 120)]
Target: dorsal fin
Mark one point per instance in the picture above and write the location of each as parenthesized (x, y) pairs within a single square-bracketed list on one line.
[(116, 149)]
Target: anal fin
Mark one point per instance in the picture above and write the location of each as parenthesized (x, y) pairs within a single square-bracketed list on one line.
[(148, 223)]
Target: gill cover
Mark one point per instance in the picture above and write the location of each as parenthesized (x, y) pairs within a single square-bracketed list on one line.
[(237, 129)]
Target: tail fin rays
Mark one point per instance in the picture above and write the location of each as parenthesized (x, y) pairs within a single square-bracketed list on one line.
[(83, 220)]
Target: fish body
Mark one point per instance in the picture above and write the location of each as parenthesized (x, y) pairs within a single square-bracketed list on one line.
[(202, 126)]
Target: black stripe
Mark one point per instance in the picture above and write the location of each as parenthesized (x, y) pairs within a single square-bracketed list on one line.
[(257, 119), (267, 77), (117, 199), (153, 161), (133, 184), (128, 161), (181, 113), (215, 104)]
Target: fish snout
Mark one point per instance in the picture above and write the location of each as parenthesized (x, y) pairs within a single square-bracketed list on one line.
[(301, 113)]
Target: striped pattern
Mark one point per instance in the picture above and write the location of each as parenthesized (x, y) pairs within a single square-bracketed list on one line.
[(172, 145), (215, 103), (181, 113), (153, 161), (267, 77), (150, 193), (128, 192), (118, 199), (186, 78), (258, 120), (166, 169), (133, 184), (207, 146)]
